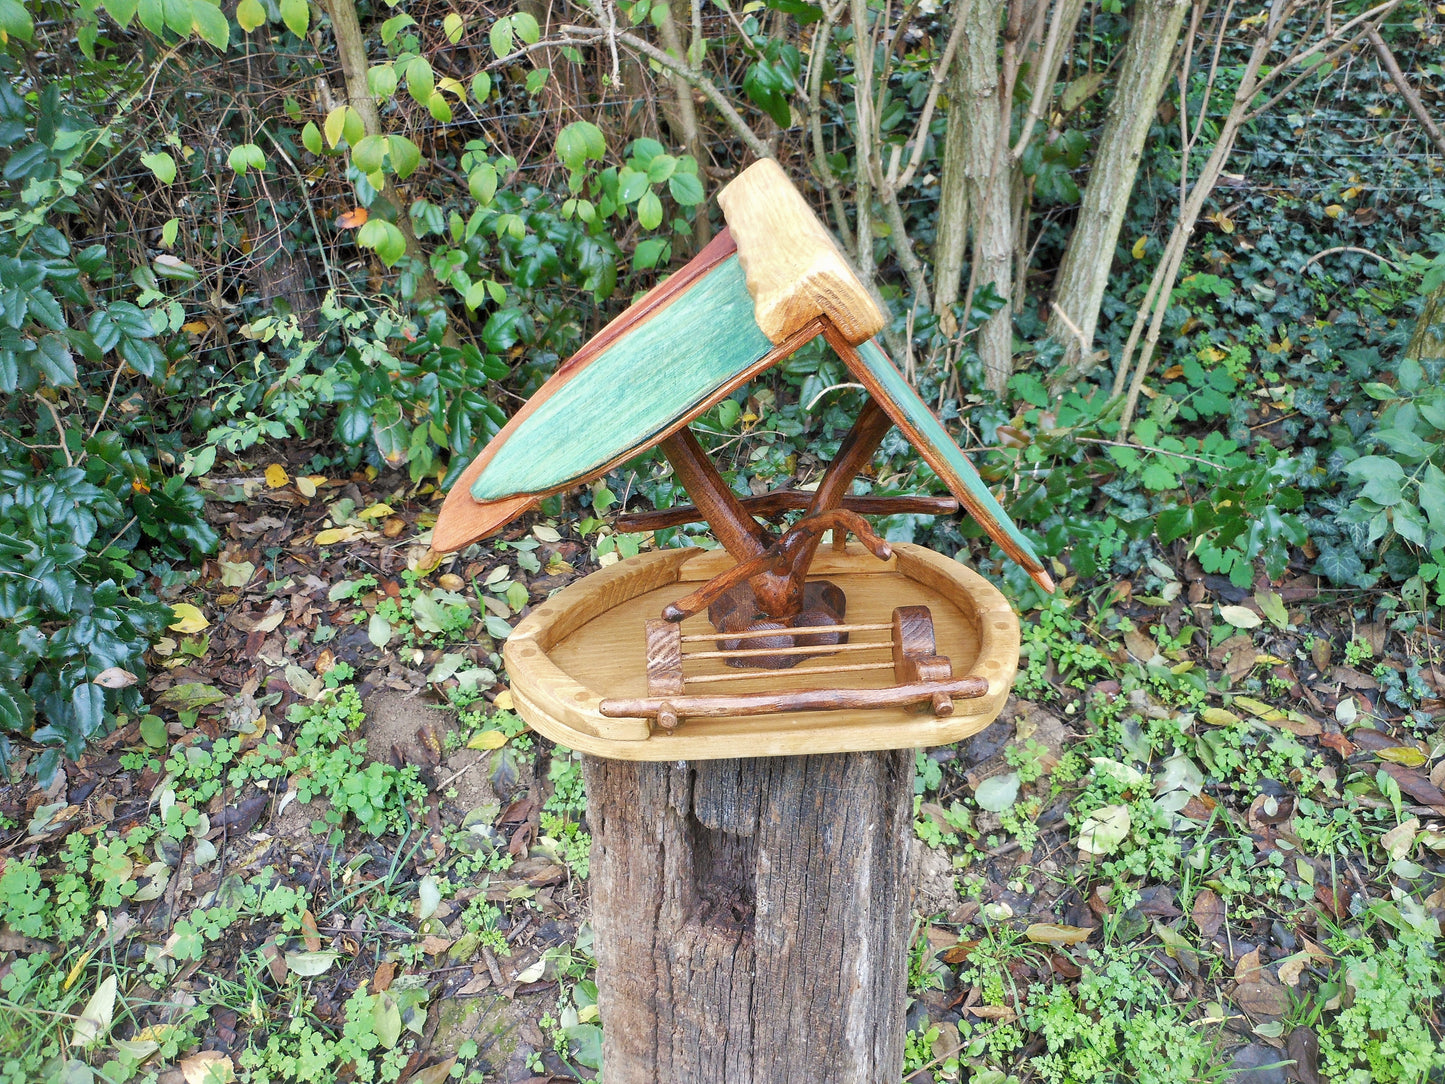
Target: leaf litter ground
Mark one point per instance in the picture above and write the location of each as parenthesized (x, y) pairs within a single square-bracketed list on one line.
[(1233, 796)]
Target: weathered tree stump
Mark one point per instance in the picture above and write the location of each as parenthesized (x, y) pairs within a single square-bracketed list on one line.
[(752, 917)]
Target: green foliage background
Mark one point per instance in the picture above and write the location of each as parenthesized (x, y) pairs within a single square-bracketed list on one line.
[(201, 251)]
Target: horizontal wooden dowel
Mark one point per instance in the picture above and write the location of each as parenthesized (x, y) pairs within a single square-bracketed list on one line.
[(805, 649), (741, 704), (801, 630), (770, 505), (804, 672)]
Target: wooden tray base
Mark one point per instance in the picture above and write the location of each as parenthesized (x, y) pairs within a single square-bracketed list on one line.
[(587, 643)]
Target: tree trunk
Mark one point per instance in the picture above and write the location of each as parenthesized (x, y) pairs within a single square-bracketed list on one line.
[(351, 51), (752, 918), (988, 171), (951, 239), (1427, 343), (1084, 274)]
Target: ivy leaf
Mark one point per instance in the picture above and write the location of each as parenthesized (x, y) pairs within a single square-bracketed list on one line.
[(296, 14)]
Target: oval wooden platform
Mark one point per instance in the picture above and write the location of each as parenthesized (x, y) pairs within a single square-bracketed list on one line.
[(586, 643)]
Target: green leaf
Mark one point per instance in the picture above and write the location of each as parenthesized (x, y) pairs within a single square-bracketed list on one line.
[(384, 239), (381, 80), (352, 129), (1409, 375), (178, 15), (369, 154), (631, 184), (1382, 478), (335, 124), (500, 36), (389, 431), (686, 189), (56, 361), (482, 183), (453, 26), (153, 732), (998, 792), (1409, 524), (210, 23), (1104, 830), (17, 710), (386, 1020), (439, 108), (661, 168), (421, 81), (649, 210), (88, 703), (250, 14), (296, 14), (161, 164), (576, 143), (122, 11), (481, 87), (405, 155), (153, 17), (378, 630), (526, 28), (394, 26), (311, 138), (237, 158), (1406, 443)]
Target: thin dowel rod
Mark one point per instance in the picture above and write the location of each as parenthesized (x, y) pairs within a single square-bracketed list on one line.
[(698, 637), (816, 649), (804, 672)]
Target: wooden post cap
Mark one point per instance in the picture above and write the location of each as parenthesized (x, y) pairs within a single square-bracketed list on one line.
[(795, 272)]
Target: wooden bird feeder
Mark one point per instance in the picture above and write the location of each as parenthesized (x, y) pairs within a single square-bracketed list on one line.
[(839, 660)]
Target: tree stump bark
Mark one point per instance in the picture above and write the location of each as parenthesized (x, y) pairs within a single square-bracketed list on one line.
[(752, 918)]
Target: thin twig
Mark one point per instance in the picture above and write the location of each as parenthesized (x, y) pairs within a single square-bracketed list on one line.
[(59, 428), (1347, 248), (1148, 448), (109, 396), (1412, 99)]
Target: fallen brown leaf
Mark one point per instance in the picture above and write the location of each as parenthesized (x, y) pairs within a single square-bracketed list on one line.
[(1208, 912)]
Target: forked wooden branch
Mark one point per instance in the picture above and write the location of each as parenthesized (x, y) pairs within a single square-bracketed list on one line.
[(780, 559)]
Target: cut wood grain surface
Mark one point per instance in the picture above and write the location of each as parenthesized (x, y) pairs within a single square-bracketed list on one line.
[(795, 271), (589, 642)]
